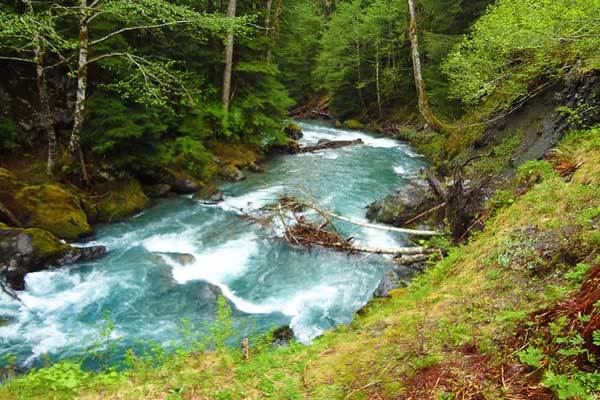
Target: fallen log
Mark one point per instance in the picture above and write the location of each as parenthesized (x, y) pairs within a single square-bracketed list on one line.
[(333, 144), (386, 228), (410, 259)]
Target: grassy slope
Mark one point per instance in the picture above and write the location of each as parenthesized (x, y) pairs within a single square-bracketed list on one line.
[(451, 334)]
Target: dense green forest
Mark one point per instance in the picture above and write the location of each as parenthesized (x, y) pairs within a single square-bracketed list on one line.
[(108, 105)]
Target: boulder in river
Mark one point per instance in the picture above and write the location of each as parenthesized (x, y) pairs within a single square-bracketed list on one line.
[(29, 250), (293, 131), (232, 173), (409, 201), (209, 194), (120, 199), (183, 183)]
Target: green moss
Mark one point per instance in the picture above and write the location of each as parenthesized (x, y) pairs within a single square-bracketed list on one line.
[(121, 199), (9, 185), (533, 172), (46, 246), (236, 154), (353, 124), (52, 208)]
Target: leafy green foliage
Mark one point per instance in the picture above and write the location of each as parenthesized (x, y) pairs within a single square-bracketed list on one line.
[(519, 41)]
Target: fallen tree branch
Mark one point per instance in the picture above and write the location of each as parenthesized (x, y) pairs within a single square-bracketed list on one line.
[(334, 144), (352, 221), (410, 259)]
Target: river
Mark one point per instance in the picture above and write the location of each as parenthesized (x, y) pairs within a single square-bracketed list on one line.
[(147, 294)]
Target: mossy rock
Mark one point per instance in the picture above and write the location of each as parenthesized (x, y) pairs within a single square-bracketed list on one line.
[(231, 173), (52, 208), (353, 124), (237, 154), (46, 246), (121, 199), (293, 131)]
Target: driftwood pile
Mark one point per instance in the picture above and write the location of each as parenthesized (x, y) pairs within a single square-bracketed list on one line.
[(299, 230)]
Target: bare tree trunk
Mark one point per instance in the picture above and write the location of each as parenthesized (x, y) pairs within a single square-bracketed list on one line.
[(377, 78), (42, 87), (228, 64), (424, 107), (75, 142), (47, 119), (268, 27)]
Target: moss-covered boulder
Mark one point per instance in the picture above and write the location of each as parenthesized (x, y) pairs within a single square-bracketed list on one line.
[(231, 173), (399, 208), (24, 250), (120, 199), (353, 124), (293, 131), (52, 208)]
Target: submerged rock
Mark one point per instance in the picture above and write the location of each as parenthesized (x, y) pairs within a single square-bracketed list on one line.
[(396, 209), (29, 250), (120, 199)]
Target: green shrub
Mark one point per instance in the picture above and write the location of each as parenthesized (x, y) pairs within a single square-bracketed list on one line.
[(533, 171)]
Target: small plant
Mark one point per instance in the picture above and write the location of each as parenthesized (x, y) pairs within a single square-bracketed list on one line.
[(533, 172), (532, 356)]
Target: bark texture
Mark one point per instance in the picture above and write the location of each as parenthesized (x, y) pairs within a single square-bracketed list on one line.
[(78, 118), (42, 86), (424, 107), (228, 63)]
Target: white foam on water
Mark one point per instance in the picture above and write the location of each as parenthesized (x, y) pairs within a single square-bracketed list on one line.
[(180, 242), (314, 133), (50, 296), (251, 201), (399, 169), (217, 265)]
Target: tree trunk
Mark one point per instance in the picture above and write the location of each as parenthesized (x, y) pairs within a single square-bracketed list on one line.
[(268, 28), (377, 78), (47, 118), (228, 64), (78, 118), (424, 107), (42, 86)]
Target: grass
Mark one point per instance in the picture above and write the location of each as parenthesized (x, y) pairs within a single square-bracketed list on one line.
[(453, 333)]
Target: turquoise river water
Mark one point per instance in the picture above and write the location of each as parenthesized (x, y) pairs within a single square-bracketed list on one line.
[(149, 290)]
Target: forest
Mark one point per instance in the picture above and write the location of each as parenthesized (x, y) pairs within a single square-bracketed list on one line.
[(300, 199)]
